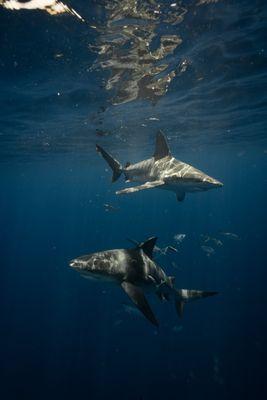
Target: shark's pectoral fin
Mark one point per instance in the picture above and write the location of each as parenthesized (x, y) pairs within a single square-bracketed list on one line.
[(160, 296), (180, 196), (147, 185), (138, 297), (163, 296)]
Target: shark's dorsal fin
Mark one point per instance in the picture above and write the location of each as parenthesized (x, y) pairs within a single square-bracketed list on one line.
[(162, 149), (148, 246)]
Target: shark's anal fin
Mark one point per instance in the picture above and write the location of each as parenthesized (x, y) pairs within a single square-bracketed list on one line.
[(180, 196), (162, 148), (138, 298), (147, 185)]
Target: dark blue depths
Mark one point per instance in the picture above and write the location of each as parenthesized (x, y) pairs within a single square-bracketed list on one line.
[(63, 337)]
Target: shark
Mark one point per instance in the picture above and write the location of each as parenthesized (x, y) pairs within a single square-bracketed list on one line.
[(137, 274), (161, 171)]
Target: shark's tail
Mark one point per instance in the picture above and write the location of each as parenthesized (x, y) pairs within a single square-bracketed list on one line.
[(185, 295), (112, 162)]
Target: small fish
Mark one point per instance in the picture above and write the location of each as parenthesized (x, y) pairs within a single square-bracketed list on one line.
[(208, 250), (164, 250), (172, 248), (118, 322), (109, 207), (176, 266), (179, 237), (102, 132), (207, 239), (58, 55), (157, 249), (218, 242), (177, 328), (230, 235), (129, 309)]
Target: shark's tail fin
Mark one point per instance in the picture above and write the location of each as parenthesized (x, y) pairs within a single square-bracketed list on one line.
[(185, 295), (112, 162)]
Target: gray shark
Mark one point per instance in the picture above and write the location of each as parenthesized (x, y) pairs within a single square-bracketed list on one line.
[(161, 171), (136, 273)]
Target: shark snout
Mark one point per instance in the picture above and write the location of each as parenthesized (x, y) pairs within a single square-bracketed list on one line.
[(213, 183), (217, 183), (74, 264)]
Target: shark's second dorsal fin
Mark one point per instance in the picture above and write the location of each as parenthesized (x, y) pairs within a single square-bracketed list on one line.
[(148, 246), (162, 149)]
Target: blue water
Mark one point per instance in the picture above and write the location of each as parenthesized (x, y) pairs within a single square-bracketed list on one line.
[(64, 337)]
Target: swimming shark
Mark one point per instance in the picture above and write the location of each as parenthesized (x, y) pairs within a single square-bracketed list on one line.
[(162, 171), (136, 273)]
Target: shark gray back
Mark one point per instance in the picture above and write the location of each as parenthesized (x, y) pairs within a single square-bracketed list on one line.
[(161, 171), (135, 271)]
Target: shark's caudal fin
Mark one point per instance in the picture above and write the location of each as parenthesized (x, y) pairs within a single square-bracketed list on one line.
[(112, 162), (184, 296), (162, 149)]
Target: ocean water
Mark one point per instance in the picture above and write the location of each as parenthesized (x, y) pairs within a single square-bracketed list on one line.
[(78, 73)]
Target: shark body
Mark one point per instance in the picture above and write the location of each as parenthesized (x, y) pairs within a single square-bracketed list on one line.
[(136, 273), (161, 171)]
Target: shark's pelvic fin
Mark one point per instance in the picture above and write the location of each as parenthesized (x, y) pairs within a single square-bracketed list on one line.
[(162, 149), (148, 246), (180, 196), (179, 305), (147, 185), (112, 162), (138, 298), (163, 296)]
